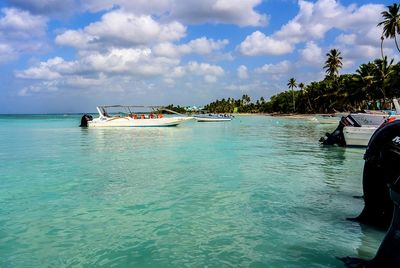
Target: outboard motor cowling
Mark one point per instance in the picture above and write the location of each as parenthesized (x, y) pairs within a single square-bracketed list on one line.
[(381, 187), (337, 137), (85, 119), (382, 158)]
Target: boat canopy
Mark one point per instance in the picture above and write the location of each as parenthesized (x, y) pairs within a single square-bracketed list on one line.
[(103, 108)]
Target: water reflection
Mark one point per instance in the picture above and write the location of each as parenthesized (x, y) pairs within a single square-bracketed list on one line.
[(332, 165), (370, 239)]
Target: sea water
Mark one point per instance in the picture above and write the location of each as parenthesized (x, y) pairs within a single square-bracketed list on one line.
[(258, 191)]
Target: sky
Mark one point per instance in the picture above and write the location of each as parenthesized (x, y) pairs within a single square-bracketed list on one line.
[(70, 56)]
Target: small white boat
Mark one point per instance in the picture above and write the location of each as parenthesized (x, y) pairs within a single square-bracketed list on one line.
[(358, 136), (212, 118), (128, 118), (356, 129)]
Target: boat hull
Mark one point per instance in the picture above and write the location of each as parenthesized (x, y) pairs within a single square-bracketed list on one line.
[(213, 119), (358, 136), (130, 122)]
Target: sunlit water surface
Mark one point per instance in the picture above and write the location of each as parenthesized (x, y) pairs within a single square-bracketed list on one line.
[(255, 192)]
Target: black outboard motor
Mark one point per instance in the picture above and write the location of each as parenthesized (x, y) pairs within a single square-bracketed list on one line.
[(337, 137), (382, 158), (381, 186), (85, 119)]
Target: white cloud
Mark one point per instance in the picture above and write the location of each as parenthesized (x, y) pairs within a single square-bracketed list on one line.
[(209, 72), (279, 68), (312, 22), (178, 71), (44, 71), (202, 46), (312, 54), (123, 29), (346, 39), (21, 24), (205, 69), (239, 12), (20, 33), (139, 62), (7, 53), (156, 7), (259, 44), (242, 72), (210, 78), (44, 86), (361, 51)]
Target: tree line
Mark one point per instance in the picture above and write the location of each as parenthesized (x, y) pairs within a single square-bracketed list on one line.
[(372, 86)]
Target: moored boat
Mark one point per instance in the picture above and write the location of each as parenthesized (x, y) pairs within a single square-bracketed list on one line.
[(358, 136), (213, 117), (129, 118), (356, 129)]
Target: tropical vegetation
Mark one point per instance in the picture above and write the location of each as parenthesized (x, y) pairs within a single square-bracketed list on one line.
[(372, 86)]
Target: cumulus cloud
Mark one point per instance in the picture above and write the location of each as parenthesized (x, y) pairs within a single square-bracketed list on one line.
[(43, 86), (239, 12), (312, 22), (208, 71), (312, 54), (259, 44), (7, 53), (242, 72), (202, 46), (20, 32), (18, 24), (45, 70), (117, 61), (347, 39), (276, 71), (121, 28)]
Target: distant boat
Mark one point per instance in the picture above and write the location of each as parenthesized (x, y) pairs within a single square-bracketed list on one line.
[(368, 124), (129, 118), (212, 117), (356, 129)]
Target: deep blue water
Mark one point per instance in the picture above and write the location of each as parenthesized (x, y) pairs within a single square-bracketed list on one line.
[(255, 192)]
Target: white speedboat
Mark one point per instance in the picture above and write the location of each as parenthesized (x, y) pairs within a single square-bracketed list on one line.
[(212, 117), (356, 129), (129, 118), (358, 136)]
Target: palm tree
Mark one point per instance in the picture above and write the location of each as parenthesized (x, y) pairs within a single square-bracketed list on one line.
[(391, 24), (365, 78), (382, 71), (333, 63), (292, 84)]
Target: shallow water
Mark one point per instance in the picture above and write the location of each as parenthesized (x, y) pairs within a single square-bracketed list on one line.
[(258, 191)]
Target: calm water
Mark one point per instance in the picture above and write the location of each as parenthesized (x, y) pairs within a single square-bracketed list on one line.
[(254, 192)]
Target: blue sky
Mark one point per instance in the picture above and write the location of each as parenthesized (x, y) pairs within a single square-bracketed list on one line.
[(71, 55)]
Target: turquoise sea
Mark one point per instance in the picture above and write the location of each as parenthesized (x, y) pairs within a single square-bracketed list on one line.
[(259, 191)]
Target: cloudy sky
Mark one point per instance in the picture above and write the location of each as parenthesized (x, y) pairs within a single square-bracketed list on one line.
[(71, 55)]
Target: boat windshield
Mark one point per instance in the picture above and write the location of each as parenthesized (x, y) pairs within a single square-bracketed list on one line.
[(132, 110)]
